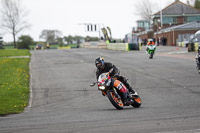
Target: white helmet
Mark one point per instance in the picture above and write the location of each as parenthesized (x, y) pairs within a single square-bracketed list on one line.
[(150, 40)]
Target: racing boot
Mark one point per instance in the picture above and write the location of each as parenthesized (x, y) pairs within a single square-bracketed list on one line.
[(129, 87), (126, 101)]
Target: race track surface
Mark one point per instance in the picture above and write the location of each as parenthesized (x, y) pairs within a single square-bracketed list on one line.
[(63, 102)]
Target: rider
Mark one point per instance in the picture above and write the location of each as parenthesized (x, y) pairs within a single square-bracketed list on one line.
[(103, 67), (150, 42)]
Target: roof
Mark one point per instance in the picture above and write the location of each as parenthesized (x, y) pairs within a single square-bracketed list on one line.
[(142, 21), (178, 8), (144, 32), (195, 25)]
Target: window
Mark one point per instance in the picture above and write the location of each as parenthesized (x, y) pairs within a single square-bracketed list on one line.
[(167, 20), (174, 20), (193, 18), (140, 24), (185, 19)]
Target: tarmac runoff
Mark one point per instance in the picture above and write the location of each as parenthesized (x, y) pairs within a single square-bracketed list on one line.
[(178, 54)]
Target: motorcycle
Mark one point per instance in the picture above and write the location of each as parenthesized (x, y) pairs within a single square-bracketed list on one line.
[(151, 50), (105, 86), (198, 63)]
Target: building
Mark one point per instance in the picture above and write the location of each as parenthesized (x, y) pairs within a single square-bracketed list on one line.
[(143, 25), (179, 33), (179, 14), (175, 14), (143, 30)]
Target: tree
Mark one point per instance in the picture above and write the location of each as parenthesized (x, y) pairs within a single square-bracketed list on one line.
[(24, 42), (197, 4), (73, 39), (88, 39), (69, 39), (78, 39), (60, 41), (191, 2), (1, 42), (50, 36), (144, 9), (13, 17)]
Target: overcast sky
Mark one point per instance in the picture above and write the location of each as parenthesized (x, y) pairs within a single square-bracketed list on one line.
[(68, 16)]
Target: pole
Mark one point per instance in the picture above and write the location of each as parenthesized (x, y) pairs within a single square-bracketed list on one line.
[(161, 21)]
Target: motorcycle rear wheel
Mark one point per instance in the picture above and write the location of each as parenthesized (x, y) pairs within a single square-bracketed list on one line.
[(116, 102)]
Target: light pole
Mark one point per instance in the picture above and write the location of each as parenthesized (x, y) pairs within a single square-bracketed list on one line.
[(161, 21)]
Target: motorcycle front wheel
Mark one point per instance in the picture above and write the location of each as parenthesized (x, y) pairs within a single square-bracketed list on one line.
[(137, 102), (151, 55), (115, 100)]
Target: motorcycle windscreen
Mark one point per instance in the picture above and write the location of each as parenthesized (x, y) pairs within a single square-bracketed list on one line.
[(102, 77)]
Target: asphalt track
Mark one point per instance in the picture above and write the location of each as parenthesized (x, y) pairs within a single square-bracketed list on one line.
[(63, 102)]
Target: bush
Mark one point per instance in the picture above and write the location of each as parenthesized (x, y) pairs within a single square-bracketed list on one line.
[(1, 46), (24, 42)]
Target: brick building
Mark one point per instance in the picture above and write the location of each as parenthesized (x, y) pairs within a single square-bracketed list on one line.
[(178, 33), (173, 21), (175, 14)]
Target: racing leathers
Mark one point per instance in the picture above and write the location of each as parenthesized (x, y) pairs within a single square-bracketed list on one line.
[(114, 72)]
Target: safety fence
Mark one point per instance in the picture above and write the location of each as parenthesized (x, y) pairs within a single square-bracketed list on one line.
[(112, 46), (118, 46)]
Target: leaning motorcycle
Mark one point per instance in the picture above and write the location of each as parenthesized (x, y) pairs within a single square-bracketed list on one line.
[(105, 86), (151, 50)]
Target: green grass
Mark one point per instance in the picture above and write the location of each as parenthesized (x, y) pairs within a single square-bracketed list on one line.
[(13, 52), (14, 83), (54, 46)]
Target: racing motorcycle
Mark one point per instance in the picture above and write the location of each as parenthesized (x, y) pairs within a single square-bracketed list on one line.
[(107, 88), (151, 50)]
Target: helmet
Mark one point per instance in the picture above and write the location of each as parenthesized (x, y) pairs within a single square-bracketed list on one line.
[(99, 62), (150, 40)]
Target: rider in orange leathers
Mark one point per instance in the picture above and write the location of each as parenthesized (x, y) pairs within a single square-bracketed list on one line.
[(120, 83)]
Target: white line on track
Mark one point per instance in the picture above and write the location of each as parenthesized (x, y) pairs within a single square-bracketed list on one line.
[(30, 89)]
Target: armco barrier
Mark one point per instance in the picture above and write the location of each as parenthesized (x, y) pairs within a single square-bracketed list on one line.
[(93, 45), (111, 46)]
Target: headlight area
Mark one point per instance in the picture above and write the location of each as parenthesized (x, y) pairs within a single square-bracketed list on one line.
[(101, 87)]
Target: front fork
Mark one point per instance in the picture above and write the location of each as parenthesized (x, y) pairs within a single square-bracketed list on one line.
[(116, 93)]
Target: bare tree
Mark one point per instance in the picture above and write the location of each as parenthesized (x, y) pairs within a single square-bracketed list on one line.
[(13, 17), (191, 2), (50, 36), (144, 9)]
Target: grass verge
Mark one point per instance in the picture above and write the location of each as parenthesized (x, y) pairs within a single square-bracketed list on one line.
[(14, 83), (14, 52)]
